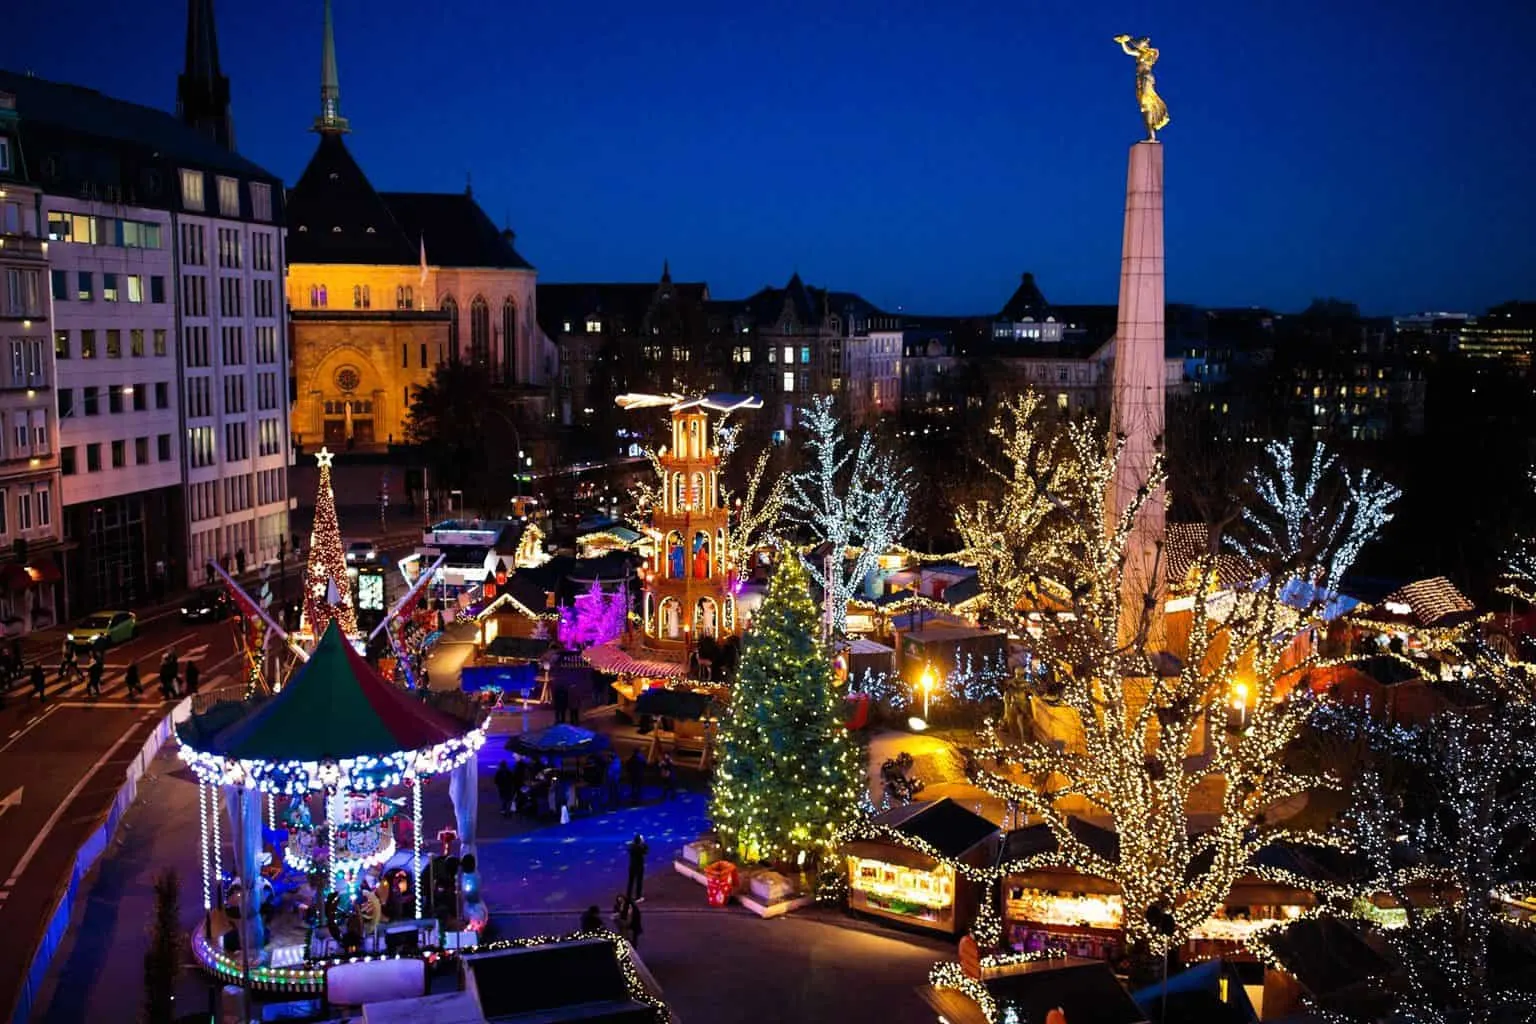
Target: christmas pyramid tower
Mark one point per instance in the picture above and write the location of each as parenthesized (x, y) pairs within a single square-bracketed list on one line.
[(327, 594)]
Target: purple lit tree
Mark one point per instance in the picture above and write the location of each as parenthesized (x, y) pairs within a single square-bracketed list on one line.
[(594, 617)]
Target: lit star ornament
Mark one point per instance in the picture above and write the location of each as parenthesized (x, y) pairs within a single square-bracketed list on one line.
[(323, 458)]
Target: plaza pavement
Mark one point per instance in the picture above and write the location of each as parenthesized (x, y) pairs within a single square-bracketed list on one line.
[(716, 966)]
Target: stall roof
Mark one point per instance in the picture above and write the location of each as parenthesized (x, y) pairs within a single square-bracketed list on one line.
[(521, 648), (1086, 991), (615, 660), (578, 979), (949, 827)]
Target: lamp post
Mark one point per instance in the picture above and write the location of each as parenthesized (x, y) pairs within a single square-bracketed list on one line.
[(925, 683), (1240, 703)]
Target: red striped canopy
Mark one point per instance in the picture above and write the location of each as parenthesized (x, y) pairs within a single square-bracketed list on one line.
[(335, 707)]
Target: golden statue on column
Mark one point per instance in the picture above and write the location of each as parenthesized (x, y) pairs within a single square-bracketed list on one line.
[(1153, 110)]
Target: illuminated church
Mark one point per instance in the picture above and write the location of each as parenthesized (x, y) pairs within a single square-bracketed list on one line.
[(385, 286)]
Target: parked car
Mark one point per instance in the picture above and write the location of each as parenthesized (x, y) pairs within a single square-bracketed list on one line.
[(103, 629), (362, 552), (210, 604)]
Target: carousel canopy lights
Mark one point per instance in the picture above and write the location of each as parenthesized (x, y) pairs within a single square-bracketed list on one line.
[(336, 725)]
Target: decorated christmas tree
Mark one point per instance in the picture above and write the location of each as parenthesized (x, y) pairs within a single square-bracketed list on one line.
[(595, 617), (327, 594), (790, 774)]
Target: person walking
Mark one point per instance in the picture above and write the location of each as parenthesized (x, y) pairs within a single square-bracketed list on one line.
[(506, 787), (39, 681), (69, 668), (191, 678), (668, 776), (168, 675), (592, 920), (627, 913), (131, 681), (636, 766), (93, 678), (635, 888)]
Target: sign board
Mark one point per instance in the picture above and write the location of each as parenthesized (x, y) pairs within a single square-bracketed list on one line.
[(970, 958), (370, 590)]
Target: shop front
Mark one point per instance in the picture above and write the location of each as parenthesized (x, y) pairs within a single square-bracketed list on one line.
[(891, 874)]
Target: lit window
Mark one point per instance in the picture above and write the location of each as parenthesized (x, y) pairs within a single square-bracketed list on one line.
[(261, 201), (109, 287), (594, 326), (135, 288), (192, 189), (789, 355), (229, 197), (789, 380), (805, 353)]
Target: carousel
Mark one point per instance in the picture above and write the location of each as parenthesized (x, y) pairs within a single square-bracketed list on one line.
[(310, 804)]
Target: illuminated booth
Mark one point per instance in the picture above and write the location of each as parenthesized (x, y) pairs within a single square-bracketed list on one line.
[(890, 876)]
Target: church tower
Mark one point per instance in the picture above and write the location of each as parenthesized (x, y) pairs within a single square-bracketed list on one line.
[(202, 90)]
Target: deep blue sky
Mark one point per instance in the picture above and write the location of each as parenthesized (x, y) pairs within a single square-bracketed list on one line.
[(923, 153)]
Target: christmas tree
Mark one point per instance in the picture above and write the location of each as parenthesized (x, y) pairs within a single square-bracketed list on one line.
[(790, 774), (327, 594)]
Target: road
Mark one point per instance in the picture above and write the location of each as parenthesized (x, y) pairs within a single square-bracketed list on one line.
[(62, 761)]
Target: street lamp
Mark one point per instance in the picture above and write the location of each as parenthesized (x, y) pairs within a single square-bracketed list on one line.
[(925, 683), (1240, 703)]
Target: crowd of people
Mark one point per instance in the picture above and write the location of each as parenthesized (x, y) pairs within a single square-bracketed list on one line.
[(540, 785)]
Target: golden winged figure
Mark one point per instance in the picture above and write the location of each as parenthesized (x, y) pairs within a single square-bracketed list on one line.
[(1153, 110)]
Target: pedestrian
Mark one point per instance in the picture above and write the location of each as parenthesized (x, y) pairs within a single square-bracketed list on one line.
[(628, 913), (240, 560), (562, 703), (592, 920), (168, 675), (191, 678), (636, 765), (131, 681), (615, 778), (635, 888), (506, 788), (39, 681), (69, 668), (668, 776), (93, 680)]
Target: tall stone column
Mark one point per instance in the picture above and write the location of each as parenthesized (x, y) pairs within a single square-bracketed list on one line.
[(1138, 397)]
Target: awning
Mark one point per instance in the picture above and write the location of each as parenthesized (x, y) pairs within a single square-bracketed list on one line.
[(616, 661), (45, 571), (663, 703), (14, 577)]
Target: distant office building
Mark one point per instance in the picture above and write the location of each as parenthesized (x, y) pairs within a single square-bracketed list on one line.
[(1506, 334)]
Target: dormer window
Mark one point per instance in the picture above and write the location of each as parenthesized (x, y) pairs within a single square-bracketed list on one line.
[(192, 189), (336, 230), (335, 176), (594, 326), (371, 231)]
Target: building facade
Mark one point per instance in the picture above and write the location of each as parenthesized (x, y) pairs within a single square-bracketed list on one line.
[(386, 287), (32, 558), (174, 439)]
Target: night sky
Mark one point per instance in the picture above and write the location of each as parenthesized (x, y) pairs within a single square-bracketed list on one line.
[(920, 153)]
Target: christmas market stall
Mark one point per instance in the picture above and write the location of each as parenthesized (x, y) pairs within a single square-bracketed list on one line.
[(907, 865), (318, 785)]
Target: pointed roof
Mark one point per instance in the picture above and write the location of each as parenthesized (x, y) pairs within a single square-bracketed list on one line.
[(1027, 302), (330, 120), (335, 216), (335, 707), (458, 232), (202, 89)]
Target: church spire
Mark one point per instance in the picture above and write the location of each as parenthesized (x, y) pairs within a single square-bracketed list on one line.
[(202, 90), (330, 120)]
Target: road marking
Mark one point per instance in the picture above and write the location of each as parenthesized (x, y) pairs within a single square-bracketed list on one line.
[(12, 800), (58, 811), (28, 727), (192, 654)]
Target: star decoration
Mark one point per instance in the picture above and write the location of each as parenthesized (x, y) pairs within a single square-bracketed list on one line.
[(323, 457)]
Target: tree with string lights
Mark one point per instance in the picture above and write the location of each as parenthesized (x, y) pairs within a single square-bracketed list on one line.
[(789, 774), (1146, 735), (327, 592), (852, 498)]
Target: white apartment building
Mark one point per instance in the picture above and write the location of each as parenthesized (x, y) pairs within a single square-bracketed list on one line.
[(170, 338), (234, 367), (31, 555), (112, 276)]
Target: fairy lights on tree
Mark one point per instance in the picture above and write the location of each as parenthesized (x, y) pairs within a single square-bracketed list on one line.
[(595, 617), (852, 498), (1153, 739), (1520, 569), (327, 594), (789, 774)]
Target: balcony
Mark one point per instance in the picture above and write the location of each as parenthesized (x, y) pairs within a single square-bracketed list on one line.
[(24, 247)]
